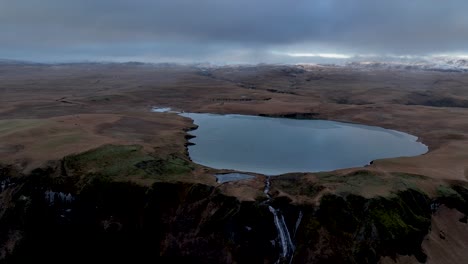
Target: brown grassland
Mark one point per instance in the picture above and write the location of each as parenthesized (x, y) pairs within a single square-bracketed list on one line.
[(48, 112)]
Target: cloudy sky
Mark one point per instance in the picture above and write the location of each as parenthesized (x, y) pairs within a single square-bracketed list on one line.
[(222, 31)]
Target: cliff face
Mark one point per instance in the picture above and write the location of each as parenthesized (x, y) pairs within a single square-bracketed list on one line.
[(114, 220), (57, 214), (354, 229)]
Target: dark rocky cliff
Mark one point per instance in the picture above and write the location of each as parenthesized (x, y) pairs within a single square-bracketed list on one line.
[(60, 214)]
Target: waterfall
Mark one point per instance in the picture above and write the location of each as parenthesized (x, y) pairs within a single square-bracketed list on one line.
[(281, 232), (51, 197), (298, 222), (287, 246)]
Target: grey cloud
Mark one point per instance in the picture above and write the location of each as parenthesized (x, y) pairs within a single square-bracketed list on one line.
[(225, 30)]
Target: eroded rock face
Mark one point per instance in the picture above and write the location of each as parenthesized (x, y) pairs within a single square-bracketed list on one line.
[(114, 220), (99, 218)]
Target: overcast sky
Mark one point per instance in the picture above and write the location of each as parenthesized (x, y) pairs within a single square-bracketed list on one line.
[(222, 31)]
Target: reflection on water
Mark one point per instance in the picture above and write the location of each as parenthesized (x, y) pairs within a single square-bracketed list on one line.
[(275, 146)]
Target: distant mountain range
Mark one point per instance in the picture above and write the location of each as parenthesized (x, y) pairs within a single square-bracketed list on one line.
[(442, 63), (435, 64)]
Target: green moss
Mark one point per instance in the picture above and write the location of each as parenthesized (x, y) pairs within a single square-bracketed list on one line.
[(454, 196), (402, 222), (444, 191), (123, 162), (364, 229), (172, 165), (391, 222), (108, 161)]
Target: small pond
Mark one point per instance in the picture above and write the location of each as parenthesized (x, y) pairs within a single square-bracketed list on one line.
[(229, 177)]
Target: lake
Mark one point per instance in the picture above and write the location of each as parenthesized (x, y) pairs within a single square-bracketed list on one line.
[(274, 146)]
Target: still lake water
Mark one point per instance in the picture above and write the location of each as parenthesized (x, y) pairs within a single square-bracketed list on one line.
[(274, 146)]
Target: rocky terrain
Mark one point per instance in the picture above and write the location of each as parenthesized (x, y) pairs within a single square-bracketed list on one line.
[(88, 172)]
